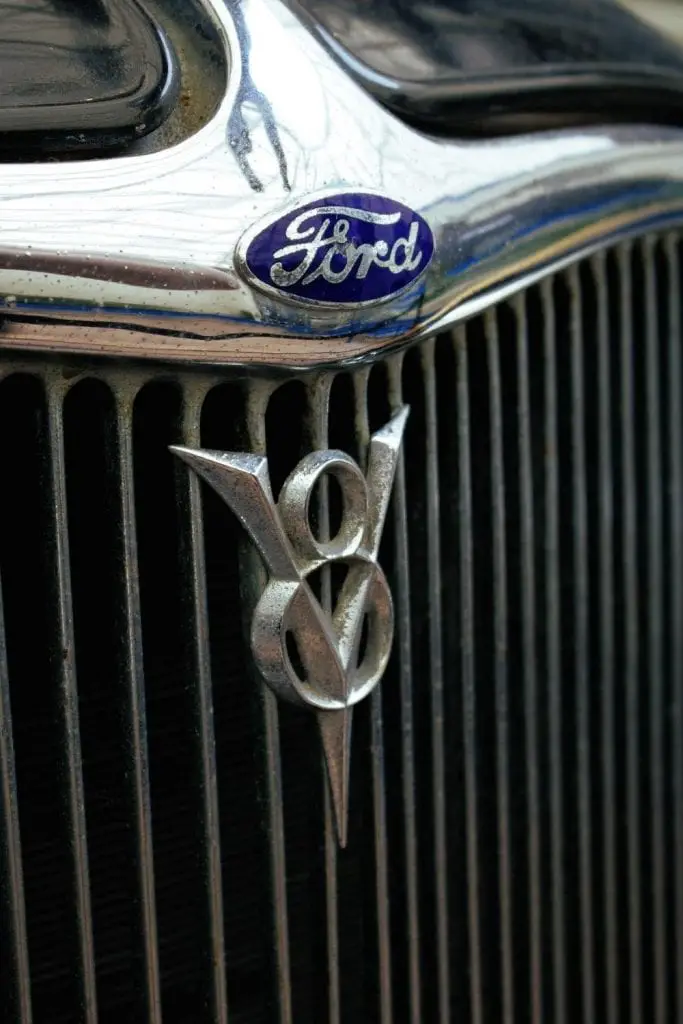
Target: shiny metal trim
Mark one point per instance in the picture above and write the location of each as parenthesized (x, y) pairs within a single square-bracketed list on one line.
[(436, 668), (467, 674), (607, 639), (137, 718), (258, 396), (632, 640), (379, 797), (554, 662), (194, 394), (134, 256), (404, 647), (16, 905), (319, 403), (528, 581), (655, 630), (69, 702), (675, 368), (580, 602), (335, 677), (500, 665)]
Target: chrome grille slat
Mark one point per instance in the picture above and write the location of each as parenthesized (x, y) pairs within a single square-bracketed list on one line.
[(467, 668), (528, 589), (360, 386), (631, 613), (319, 400), (193, 398), (258, 396), (134, 670), (606, 656), (675, 431), (580, 599), (14, 893), (516, 810), (405, 658), (500, 641), (69, 702), (437, 681), (655, 628)]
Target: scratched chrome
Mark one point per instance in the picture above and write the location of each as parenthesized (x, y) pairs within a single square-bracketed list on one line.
[(135, 256), (335, 672)]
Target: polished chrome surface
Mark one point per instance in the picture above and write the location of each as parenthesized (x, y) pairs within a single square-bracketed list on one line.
[(306, 655), (136, 256), (473, 876)]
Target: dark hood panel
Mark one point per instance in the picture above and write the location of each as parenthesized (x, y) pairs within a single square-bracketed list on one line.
[(482, 65), (78, 74)]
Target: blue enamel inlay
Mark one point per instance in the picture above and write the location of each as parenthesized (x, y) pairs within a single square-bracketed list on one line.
[(342, 249)]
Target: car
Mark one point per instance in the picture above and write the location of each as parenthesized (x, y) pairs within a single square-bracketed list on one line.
[(341, 529)]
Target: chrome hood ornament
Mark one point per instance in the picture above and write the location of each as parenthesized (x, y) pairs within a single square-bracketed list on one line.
[(327, 662)]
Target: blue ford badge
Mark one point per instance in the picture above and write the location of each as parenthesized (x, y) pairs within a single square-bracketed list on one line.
[(341, 249)]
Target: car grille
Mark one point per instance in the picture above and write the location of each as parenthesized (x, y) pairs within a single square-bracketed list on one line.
[(515, 846)]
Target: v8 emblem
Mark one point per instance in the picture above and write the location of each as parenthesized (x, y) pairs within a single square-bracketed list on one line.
[(306, 655)]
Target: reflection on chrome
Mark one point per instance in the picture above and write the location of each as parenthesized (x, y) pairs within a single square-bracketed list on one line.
[(138, 253)]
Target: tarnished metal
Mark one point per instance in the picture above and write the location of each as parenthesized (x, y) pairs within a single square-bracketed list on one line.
[(330, 672)]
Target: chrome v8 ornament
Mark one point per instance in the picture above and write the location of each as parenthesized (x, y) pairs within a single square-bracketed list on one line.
[(343, 249), (331, 673)]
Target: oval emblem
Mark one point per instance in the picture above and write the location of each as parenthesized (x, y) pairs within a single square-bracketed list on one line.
[(341, 249)]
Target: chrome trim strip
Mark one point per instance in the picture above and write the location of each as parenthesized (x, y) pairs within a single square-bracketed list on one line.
[(135, 681), (554, 658), (607, 639), (468, 674), (436, 672), (134, 256), (69, 700), (193, 399), (500, 665), (16, 900), (632, 642), (529, 654), (655, 638), (404, 648), (675, 367), (580, 601), (379, 796), (258, 396)]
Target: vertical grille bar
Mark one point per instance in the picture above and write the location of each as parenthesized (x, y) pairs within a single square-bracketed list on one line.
[(360, 383), (528, 572), (500, 633), (192, 406), (606, 591), (468, 673), (552, 588), (69, 705), (580, 598), (630, 570), (437, 683), (655, 635), (139, 767), (405, 657), (257, 402), (319, 397), (10, 816), (676, 577)]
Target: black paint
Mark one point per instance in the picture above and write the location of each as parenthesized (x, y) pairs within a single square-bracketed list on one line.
[(78, 74), (490, 65)]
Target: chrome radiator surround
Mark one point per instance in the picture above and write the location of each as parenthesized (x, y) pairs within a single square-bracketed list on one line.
[(135, 257), (515, 832)]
